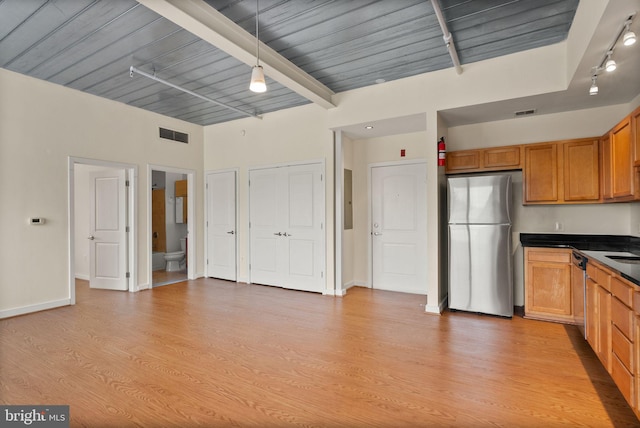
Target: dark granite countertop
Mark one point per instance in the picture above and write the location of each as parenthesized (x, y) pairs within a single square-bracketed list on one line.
[(596, 247)]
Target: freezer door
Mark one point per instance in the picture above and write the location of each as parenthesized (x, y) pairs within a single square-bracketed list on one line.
[(484, 199), (480, 276)]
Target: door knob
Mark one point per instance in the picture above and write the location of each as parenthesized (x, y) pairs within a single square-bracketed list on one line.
[(91, 237), (278, 234), (286, 234), (377, 233), (231, 232)]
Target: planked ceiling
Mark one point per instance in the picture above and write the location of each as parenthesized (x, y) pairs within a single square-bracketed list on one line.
[(89, 45)]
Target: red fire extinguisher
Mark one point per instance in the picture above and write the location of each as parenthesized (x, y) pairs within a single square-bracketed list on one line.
[(442, 150)]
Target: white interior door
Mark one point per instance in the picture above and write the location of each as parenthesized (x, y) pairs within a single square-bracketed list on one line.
[(303, 235), (221, 225), (399, 227), (108, 231), (287, 227), (265, 226)]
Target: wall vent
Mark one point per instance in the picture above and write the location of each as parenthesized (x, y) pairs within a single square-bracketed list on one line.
[(525, 112), (170, 134)]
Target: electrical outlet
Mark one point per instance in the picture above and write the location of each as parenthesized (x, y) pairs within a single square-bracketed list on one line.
[(559, 227)]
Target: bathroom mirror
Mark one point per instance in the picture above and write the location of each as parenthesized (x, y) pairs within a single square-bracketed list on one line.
[(180, 217)]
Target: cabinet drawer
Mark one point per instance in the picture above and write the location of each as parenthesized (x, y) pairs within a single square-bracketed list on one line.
[(549, 255), (622, 291), (622, 317), (623, 379), (622, 347), (636, 302)]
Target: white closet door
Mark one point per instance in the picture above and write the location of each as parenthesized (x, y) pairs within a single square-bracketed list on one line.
[(304, 249), (221, 225), (287, 227), (265, 226)]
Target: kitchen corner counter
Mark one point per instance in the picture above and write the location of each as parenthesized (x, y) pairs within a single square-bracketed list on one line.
[(593, 247)]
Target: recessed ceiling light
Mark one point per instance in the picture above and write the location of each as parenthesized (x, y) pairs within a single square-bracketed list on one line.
[(368, 127), (380, 81)]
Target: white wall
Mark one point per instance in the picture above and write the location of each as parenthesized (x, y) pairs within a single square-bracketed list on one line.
[(42, 126), (293, 135), (348, 238)]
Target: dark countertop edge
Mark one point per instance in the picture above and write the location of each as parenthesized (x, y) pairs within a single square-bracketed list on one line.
[(583, 243)]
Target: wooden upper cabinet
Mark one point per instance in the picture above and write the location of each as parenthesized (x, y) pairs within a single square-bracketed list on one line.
[(540, 173), (618, 163), (181, 188), (502, 157), (463, 161), (562, 172), (581, 164), (490, 159), (635, 135)]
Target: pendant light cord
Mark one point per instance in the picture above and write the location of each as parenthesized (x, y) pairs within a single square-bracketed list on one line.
[(257, 39)]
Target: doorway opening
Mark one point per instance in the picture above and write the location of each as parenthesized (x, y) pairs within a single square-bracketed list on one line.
[(171, 207), (101, 225)]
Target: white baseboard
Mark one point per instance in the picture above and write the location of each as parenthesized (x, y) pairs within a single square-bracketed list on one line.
[(6, 313), (82, 276), (437, 309)]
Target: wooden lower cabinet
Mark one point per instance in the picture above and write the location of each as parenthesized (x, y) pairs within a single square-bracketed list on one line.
[(547, 284), (613, 328)]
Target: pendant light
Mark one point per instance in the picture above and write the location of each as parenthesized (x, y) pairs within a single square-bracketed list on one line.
[(258, 84)]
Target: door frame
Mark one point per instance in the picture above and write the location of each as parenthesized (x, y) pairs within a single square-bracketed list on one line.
[(236, 171), (370, 167), (191, 227), (131, 174), (324, 213)]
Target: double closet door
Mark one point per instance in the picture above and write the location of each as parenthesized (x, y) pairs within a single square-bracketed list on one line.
[(286, 221)]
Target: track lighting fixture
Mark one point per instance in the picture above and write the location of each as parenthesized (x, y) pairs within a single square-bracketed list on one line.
[(608, 63), (258, 83)]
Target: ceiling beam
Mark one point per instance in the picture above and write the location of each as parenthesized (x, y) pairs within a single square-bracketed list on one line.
[(204, 21)]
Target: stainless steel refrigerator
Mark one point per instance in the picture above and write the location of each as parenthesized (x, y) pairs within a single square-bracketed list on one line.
[(480, 271)]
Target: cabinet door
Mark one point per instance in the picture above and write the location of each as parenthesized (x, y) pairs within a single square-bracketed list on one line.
[(463, 161), (604, 327), (607, 185), (635, 135), (541, 173), (502, 158), (548, 284), (591, 315), (581, 170), (622, 161)]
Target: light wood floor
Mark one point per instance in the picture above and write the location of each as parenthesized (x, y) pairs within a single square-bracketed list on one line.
[(162, 277), (213, 353)]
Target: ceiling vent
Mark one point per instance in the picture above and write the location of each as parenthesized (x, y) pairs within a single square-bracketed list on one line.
[(170, 134), (525, 112)]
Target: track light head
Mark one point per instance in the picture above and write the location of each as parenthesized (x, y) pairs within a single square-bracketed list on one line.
[(629, 37), (593, 90), (610, 65)]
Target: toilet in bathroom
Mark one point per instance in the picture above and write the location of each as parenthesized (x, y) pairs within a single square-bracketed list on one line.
[(176, 260)]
